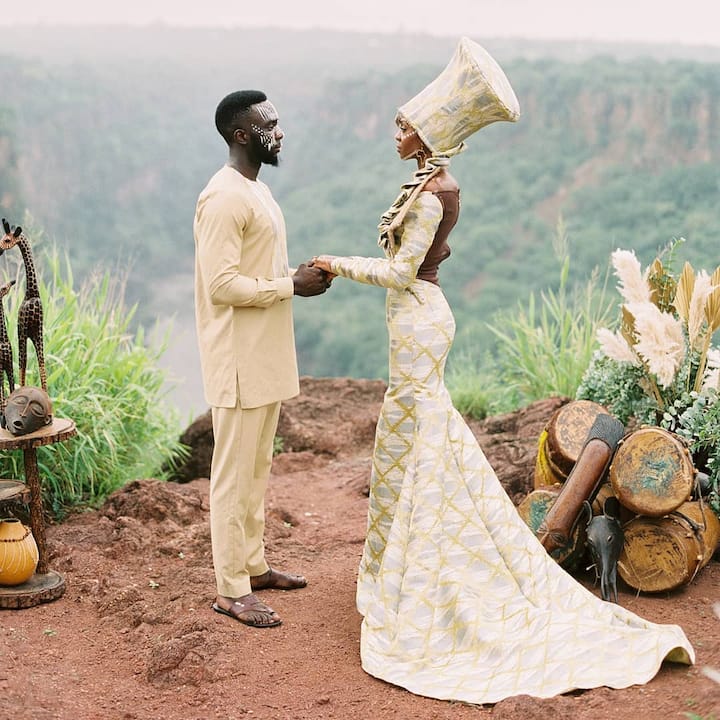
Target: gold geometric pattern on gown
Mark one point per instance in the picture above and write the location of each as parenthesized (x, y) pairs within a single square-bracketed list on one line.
[(460, 601)]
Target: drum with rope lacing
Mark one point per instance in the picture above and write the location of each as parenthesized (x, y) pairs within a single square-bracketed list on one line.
[(667, 552)]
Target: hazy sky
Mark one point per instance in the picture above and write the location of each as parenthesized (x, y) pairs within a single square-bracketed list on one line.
[(690, 22)]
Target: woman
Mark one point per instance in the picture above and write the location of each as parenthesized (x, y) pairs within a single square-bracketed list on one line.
[(460, 601)]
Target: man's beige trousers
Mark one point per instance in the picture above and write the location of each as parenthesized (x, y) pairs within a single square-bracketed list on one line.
[(240, 469)]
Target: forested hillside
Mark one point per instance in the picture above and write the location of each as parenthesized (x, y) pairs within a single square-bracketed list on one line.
[(108, 151)]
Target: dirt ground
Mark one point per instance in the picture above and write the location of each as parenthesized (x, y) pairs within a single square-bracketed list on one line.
[(134, 635)]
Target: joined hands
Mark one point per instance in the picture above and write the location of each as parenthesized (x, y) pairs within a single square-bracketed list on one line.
[(311, 280), (323, 262)]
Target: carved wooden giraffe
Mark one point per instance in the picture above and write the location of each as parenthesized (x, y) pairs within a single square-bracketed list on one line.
[(6, 353), (30, 315)]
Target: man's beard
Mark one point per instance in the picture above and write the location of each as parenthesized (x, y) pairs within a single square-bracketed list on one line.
[(259, 152)]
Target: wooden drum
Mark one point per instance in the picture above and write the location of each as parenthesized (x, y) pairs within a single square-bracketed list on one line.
[(708, 526), (665, 553), (533, 510), (652, 472), (562, 440), (604, 492)]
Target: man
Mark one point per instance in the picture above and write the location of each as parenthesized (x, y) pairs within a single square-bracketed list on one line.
[(243, 311)]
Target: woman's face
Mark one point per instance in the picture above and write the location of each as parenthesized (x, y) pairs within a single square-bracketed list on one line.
[(407, 141)]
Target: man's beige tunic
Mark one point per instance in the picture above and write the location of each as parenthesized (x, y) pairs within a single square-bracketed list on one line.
[(242, 294), (243, 311)]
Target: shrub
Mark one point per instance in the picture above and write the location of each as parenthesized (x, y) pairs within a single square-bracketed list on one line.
[(475, 389), (105, 378), (544, 348)]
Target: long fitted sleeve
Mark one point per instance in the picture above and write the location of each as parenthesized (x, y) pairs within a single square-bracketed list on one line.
[(418, 231)]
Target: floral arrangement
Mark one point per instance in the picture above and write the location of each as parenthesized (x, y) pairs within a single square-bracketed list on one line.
[(660, 366)]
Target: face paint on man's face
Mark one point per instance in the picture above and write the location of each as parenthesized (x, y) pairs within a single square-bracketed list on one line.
[(266, 137), (267, 123), (260, 152), (266, 132), (266, 112)]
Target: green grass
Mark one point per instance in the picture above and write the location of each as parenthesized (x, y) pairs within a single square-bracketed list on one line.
[(476, 390), (101, 375), (543, 347)]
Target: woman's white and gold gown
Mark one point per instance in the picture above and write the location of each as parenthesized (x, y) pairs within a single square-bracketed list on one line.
[(460, 601)]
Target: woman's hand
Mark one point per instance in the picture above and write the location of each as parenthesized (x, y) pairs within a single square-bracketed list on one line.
[(323, 262)]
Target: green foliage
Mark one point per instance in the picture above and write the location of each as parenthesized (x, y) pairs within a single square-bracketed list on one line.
[(617, 387), (567, 154), (544, 350), (103, 377), (278, 443), (113, 158), (476, 390), (696, 418)]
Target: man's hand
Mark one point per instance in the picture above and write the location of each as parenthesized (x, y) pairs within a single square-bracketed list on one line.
[(310, 281)]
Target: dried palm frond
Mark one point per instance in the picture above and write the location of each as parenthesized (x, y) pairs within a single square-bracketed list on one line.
[(684, 291), (712, 306), (627, 326), (696, 312)]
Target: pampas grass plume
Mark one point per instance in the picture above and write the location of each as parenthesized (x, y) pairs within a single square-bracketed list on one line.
[(616, 347), (660, 340), (633, 286)]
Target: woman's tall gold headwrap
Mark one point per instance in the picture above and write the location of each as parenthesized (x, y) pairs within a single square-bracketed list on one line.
[(470, 93)]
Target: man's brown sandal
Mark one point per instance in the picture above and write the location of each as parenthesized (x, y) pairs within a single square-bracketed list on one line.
[(276, 580), (250, 611)]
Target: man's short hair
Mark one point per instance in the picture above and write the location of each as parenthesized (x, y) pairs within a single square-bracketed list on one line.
[(232, 107)]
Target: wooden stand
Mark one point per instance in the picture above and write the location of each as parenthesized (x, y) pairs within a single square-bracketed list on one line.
[(45, 585)]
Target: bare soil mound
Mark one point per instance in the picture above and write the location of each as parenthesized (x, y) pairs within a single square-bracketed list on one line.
[(134, 635)]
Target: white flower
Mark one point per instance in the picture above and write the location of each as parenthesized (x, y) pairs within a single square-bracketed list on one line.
[(660, 340), (711, 378), (633, 286), (616, 347)]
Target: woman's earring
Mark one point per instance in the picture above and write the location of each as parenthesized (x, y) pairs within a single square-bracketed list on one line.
[(421, 155)]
